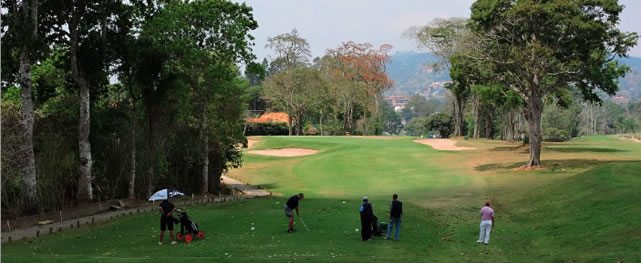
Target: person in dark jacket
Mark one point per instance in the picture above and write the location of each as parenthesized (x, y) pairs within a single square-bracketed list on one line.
[(367, 218), (395, 214), (166, 221), (290, 206)]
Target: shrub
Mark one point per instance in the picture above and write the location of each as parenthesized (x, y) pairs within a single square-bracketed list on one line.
[(555, 135), (268, 128)]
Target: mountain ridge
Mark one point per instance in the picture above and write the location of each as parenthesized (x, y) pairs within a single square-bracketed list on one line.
[(414, 73)]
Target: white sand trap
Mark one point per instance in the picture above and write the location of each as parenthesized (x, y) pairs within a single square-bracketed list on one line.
[(443, 144), (285, 152)]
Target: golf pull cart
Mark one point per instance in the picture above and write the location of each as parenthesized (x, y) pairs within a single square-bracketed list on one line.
[(188, 228)]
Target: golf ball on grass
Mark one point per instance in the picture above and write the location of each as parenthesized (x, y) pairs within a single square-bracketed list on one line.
[(356, 230), (253, 228)]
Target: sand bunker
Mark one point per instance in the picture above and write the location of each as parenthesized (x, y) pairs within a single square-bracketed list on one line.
[(443, 144), (285, 152)]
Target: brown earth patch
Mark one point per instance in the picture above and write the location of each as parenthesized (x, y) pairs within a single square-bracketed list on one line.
[(285, 152), (251, 141), (443, 144)]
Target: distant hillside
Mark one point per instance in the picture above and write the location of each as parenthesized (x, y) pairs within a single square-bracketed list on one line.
[(630, 86), (412, 73)]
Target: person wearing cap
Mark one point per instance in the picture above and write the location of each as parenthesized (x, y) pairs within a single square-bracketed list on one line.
[(367, 217), (292, 203)]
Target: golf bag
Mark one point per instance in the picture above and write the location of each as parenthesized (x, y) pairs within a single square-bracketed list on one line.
[(188, 228), (376, 227)]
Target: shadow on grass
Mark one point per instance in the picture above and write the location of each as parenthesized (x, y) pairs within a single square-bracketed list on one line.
[(550, 165), (267, 186), (583, 149), (507, 148)]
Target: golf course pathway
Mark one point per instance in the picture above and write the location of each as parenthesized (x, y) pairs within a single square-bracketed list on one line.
[(249, 190)]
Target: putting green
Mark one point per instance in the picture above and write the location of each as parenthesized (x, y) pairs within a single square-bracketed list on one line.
[(582, 207)]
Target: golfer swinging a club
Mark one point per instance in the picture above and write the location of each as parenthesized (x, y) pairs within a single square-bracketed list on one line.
[(292, 203)]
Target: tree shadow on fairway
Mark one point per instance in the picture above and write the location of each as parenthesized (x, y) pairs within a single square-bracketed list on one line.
[(550, 165), (583, 149), (522, 148), (268, 186)]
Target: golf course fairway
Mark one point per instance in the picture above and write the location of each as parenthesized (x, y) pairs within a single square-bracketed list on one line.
[(583, 206)]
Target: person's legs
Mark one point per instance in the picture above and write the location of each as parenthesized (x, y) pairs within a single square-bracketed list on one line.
[(398, 228), (368, 230), (488, 229), (481, 232), (389, 228), (290, 226), (289, 214), (163, 227)]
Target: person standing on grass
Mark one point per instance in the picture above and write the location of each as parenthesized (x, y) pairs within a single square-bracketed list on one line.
[(395, 213), (166, 221), (292, 203), (487, 221), (367, 217)]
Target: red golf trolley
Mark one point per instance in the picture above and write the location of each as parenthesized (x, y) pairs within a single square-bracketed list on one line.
[(188, 228)]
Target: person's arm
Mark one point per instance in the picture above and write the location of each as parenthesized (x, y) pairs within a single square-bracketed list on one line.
[(492, 218)]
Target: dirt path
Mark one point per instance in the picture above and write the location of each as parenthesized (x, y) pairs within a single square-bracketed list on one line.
[(251, 141), (285, 152), (246, 189), (443, 144)]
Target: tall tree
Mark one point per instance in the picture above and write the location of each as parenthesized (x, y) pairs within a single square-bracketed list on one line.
[(296, 91), (23, 23), (291, 51), (444, 38), (540, 47), (364, 65), (212, 33)]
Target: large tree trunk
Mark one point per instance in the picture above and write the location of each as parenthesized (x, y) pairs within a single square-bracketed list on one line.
[(489, 125), (132, 149), (299, 122), (29, 178), (289, 124), (204, 135), (26, 41), (533, 116), (459, 105), (477, 125), (85, 191), (321, 122)]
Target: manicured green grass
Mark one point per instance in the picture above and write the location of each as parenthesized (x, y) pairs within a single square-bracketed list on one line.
[(583, 208)]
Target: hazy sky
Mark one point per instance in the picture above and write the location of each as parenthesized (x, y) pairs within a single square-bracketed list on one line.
[(327, 23)]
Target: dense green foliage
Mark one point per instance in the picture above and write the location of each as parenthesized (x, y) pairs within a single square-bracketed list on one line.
[(160, 94)]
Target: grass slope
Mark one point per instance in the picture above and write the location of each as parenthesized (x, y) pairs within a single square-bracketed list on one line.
[(582, 208)]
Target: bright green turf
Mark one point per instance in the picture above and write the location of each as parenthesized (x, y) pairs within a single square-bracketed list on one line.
[(587, 213)]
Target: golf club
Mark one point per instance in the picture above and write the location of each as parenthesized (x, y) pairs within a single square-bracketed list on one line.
[(301, 220)]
